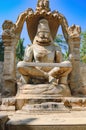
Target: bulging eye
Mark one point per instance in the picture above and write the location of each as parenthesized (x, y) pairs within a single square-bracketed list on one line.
[(40, 34), (47, 35)]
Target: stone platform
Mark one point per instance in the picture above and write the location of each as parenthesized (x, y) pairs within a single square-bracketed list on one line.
[(52, 121), (64, 114), (51, 113)]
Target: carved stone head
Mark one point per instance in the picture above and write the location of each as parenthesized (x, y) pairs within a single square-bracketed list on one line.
[(43, 5), (43, 35), (8, 24), (43, 26)]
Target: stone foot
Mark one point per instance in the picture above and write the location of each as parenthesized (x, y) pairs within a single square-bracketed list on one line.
[(60, 90)]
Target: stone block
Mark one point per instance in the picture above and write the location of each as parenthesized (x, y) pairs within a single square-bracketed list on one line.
[(7, 108), (50, 121), (3, 120), (48, 127)]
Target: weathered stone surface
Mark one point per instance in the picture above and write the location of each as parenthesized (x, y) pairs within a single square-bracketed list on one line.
[(49, 80), (83, 72), (8, 104), (1, 75), (7, 108), (42, 32), (43, 103), (48, 127), (20, 103), (49, 67), (43, 90), (3, 120), (43, 5), (51, 121), (45, 107), (10, 36)]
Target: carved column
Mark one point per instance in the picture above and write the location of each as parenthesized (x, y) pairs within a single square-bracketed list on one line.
[(9, 74), (9, 69), (10, 36), (74, 78), (9, 66)]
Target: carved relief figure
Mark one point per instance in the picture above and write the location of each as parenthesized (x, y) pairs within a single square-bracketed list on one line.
[(42, 26), (74, 31), (43, 50), (43, 4), (11, 30)]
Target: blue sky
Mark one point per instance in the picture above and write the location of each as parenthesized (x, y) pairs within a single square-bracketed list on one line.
[(73, 10)]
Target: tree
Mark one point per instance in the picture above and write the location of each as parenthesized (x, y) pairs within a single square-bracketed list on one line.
[(20, 50), (60, 41), (83, 47), (1, 49)]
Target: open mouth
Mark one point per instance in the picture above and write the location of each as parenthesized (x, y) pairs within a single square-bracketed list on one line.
[(43, 43), (43, 40)]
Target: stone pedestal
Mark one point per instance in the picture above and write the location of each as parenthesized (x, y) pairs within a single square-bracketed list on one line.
[(41, 97)]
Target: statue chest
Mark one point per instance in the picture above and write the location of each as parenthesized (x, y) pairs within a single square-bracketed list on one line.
[(44, 53)]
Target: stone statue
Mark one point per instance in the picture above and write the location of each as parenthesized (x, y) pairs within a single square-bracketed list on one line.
[(43, 50), (42, 62), (45, 78)]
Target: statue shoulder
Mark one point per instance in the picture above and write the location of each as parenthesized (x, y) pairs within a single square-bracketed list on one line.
[(28, 49)]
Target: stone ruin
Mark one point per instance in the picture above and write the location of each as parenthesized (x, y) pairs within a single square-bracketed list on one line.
[(47, 83)]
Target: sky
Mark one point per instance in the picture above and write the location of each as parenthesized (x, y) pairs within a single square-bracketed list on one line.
[(73, 10)]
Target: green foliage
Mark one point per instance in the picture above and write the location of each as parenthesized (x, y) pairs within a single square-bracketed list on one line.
[(84, 58), (1, 50), (66, 55), (20, 50), (60, 41), (83, 47), (59, 38)]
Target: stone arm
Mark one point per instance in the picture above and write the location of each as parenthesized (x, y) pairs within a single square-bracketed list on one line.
[(58, 55), (28, 56)]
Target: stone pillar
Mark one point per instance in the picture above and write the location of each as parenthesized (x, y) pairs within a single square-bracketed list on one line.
[(11, 34), (1, 75), (74, 78), (9, 72), (10, 40)]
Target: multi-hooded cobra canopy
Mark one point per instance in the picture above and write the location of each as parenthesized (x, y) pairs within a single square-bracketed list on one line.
[(55, 19)]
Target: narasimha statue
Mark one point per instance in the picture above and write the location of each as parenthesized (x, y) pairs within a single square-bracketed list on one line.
[(43, 50)]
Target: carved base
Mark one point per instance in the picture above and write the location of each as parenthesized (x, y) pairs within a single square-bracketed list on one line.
[(9, 89), (43, 91), (45, 107)]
